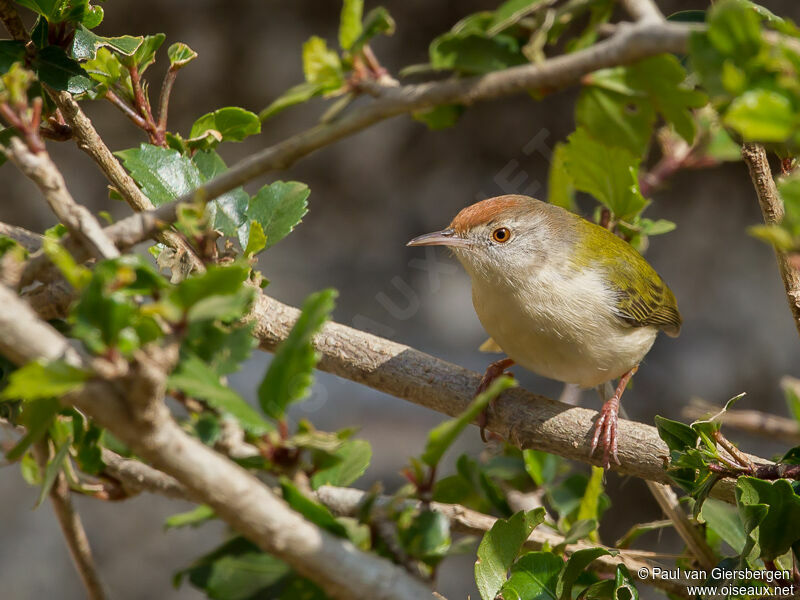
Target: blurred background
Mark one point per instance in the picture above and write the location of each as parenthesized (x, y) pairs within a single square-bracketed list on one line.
[(369, 195)]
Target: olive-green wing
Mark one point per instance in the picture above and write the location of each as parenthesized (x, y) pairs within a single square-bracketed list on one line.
[(647, 302), (643, 299)]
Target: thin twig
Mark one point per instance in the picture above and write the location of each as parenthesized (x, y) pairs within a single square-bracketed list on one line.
[(750, 421), (163, 101), (126, 110), (71, 527), (772, 210), (78, 220)]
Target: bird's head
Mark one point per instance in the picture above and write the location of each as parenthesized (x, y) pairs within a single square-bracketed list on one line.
[(499, 237)]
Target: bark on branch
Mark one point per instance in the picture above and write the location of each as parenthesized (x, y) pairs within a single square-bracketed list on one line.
[(755, 157)]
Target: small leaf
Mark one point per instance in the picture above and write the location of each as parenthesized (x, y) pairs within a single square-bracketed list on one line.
[(378, 21), (233, 124), (321, 66), (86, 44), (216, 281), (180, 55), (500, 546), (762, 115), (533, 577), (37, 416), (576, 565), (678, 436), (278, 208), (315, 512), (443, 435), (609, 173), (194, 378), (294, 95), (162, 173), (40, 379), (474, 53), (439, 117), (766, 509), (193, 518), (59, 71), (11, 51), (590, 506), (145, 54), (348, 463), (427, 537), (350, 22), (559, 184), (257, 241), (541, 466), (289, 375), (52, 470), (724, 520)]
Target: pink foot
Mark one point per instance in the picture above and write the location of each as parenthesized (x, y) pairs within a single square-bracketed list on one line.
[(493, 371), (605, 429)]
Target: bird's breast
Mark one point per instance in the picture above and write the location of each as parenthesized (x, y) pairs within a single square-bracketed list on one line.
[(561, 327)]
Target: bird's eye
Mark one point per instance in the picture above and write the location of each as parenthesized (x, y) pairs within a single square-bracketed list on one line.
[(501, 235)]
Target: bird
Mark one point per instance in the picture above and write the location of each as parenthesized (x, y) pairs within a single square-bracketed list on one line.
[(561, 296)]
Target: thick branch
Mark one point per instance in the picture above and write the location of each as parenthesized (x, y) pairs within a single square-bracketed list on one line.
[(524, 419), (79, 221), (643, 10), (71, 527), (131, 406), (772, 210), (27, 239)]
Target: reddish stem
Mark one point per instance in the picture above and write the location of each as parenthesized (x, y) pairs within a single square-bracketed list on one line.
[(163, 101), (143, 106)]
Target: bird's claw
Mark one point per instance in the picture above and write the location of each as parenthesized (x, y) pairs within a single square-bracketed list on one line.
[(495, 370), (606, 429)]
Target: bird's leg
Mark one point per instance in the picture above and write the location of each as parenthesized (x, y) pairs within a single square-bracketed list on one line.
[(493, 371), (606, 426)]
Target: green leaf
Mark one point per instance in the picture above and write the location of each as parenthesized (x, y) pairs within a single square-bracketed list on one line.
[(511, 12), (439, 117), (86, 44), (608, 115), (347, 463), (232, 123), (279, 208), (590, 506), (427, 537), (295, 95), (145, 55), (317, 513), (791, 391), (257, 241), (541, 466), (623, 585), (289, 375), (321, 66), (180, 55), (40, 379), (216, 281), (789, 189), (677, 436), (195, 379), (559, 185), (45, 8), (533, 577), (609, 173), (443, 435), (473, 53), (37, 416), (500, 546), (762, 115), (766, 508), (52, 470), (350, 22), (222, 347), (228, 212), (724, 520), (378, 21), (59, 71), (163, 174), (239, 570), (576, 565), (192, 518), (93, 17), (774, 235), (11, 51)]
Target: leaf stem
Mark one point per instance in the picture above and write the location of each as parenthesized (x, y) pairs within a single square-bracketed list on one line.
[(163, 101)]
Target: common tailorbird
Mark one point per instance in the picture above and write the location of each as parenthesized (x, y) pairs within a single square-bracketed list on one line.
[(561, 296)]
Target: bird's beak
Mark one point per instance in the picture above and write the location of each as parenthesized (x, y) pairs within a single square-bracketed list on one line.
[(445, 237)]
